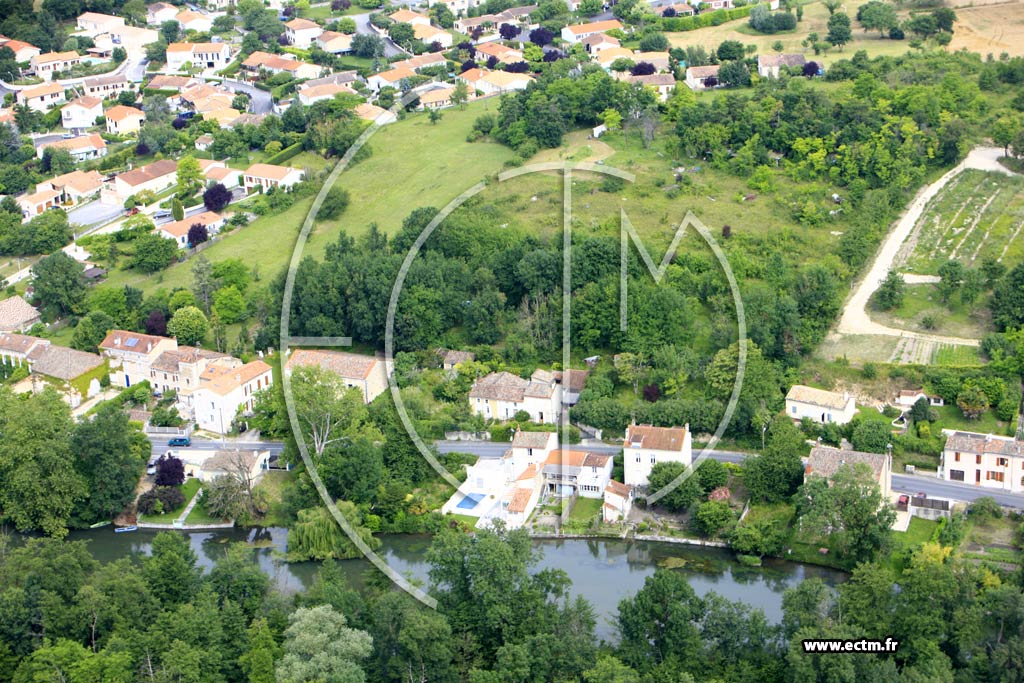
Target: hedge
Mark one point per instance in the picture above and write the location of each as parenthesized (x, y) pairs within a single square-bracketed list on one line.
[(285, 154), (716, 18)]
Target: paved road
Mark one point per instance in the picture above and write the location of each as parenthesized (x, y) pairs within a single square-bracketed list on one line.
[(855, 318), (262, 101), (94, 213), (363, 26), (160, 446), (903, 483)]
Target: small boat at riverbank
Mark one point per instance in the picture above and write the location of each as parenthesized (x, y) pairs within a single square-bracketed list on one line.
[(125, 529), (97, 525)]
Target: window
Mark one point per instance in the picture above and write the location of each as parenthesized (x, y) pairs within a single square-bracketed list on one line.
[(794, 410), (638, 458), (654, 460), (977, 460), (994, 476), (956, 475), (1002, 462), (956, 457)]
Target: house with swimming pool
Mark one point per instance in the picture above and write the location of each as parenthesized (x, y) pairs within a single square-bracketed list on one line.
[(510, 487)]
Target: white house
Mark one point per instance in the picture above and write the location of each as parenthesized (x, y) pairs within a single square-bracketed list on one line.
[(224, 393), (908, 397), (81, 113), (697, 76), (94, 23), (159, 12), (645, 446), (199, 55), (368, 374), (334, 42), (310, 95), (122, 120), (984, 460), (819, 405), (155, 177), (302, 32), (42, 97), (407, 16), (178, 230), (134, 39), (267, 176), (392, 77), (494, 82), (106, 87), (131, 354), (193, 21), (577, 33), (662, 84), (23, 52), (428, 35), (74, 187), (618, 501), (35, 203), (207, 465), (577, 473), (45, 65), (500, 395), (81, 148)]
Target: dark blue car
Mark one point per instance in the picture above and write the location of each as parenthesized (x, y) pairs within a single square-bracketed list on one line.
[(180, 441)]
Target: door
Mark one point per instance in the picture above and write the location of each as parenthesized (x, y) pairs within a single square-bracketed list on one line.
[(977, 477)]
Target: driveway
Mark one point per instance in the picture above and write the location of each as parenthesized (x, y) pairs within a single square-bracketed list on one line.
[(94, 213), (262, 101), (363, 26), (855, 318)]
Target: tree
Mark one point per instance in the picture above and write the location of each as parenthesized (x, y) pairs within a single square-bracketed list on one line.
[(109, 455), (203, 284), (190, 176), (612, 119), (316, 535), (659, 623), (216, 198), (734, 74), (188, 325), (171, 572), (877, 16), (951, 276), (508, 31), (1008, 299), (730, 50), (367, 46), (654, 42), (154, 252), (541, 36), (839, 31), (91, 330), (59, 284), (319, 646), (327, 410), (38, 482), (258, 660), (922, 25), (401, 33), (335, 203), (832, 6), (972, 400), (777, 473), (643, 69), (714, 517), (177, 209), (156, 323), (460, 95), (170, 471), (681, 497), (229, 304), (890, 293), (197, 234), (972, 287), (848, 508), (871, 436)]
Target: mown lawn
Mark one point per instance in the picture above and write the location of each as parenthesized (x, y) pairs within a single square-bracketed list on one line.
[(189, 489), (585, 510), (951, 417), (953, 319)]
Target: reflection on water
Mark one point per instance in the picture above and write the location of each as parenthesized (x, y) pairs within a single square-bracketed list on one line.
[(603, 571)]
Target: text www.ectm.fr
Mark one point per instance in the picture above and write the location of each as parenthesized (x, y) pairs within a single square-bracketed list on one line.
[(889, 645)]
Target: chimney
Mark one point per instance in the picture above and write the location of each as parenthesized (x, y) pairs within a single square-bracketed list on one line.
[(117, 341)]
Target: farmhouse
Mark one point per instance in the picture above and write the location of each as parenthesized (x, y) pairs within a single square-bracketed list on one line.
[(768, 66), (984, 460), (181, 369), (40, 357), (575, 34), (42, 97), (598, 42), (438, 98), (131, 354), (368, 374), (697, 77), (819, 405), (122, 120), (645, 446), (500, 395), (16, 315), (81, 113), (392, 77), (453, 358), (825, 461)]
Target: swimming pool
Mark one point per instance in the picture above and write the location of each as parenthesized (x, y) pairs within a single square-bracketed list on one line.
[(470, 501)]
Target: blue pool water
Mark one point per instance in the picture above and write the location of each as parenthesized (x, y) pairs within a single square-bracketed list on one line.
[(470, 501)]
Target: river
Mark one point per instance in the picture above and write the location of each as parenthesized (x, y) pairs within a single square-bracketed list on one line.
[(602, 570)]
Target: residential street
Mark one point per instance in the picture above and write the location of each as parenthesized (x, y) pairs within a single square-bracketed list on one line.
[(160, 446), (262, 102), (903, 483)]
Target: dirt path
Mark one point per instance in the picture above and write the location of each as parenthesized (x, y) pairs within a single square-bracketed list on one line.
[(855, 318)]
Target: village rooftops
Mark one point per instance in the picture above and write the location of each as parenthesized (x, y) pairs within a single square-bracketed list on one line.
[(972, 442), (618, 488), (817, 397), (79, 181), (703, 71), (230, 461), (15, 312), (20, 344), (519, 500), (404, 16), (41, 90), (302, 24), (170, 361), (572, 380), (157, 169), (121, 112), (105, 80), (656, 438), (781, 60), (562, 460), (501, 386), (825, 461), (64, 363), (225, 380), (192, 48), (523, 439), (269, 171), (595, 27), (50, 57), (653, 80), (347, 365), (134, 342)]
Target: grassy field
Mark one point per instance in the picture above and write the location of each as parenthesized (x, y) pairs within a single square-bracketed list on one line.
[(585, 510), (922, 301), (189, 489), (989, 27), (977, 215), (920, 531), (951, 417), (815, 20)]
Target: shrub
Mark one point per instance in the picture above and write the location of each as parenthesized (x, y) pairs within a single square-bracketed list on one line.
[(984, 508), (170, 471), (161, 499)]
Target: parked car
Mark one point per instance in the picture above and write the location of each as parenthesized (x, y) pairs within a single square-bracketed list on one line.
[(180, 442), (163, 213), (151, 470)]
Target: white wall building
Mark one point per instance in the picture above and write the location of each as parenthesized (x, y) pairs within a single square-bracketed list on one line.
[(984, 460), (820, 405), (645, 446)]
